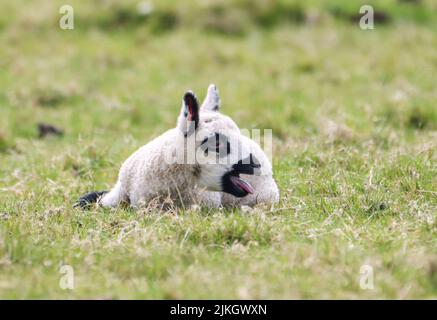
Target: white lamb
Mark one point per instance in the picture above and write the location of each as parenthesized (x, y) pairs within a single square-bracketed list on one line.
[(193, 163)]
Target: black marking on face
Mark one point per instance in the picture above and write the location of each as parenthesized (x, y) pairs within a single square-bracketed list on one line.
[(249, 165), (231, 181), (217, 143)]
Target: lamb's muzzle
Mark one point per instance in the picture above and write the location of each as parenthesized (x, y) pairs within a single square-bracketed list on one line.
[(231, 181)]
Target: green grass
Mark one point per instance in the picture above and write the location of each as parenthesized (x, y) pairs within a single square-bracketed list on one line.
[(354, 118)]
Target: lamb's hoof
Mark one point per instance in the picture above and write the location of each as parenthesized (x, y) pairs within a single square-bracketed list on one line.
[(88, 199)]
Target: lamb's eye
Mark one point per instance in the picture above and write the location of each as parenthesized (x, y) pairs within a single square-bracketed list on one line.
[(217, 143)]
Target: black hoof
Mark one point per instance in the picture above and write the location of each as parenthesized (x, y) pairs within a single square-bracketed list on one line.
[(85, 201)]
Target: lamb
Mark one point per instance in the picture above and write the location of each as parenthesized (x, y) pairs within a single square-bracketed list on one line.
[(205, 154)]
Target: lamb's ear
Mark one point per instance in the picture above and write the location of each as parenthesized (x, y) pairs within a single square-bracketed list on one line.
[(189, 117), (212, 99)]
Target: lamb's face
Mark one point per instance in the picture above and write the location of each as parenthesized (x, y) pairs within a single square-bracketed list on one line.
[(220, 153)]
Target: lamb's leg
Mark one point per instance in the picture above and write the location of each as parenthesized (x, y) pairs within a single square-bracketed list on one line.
[(86, 200), (114, 197)]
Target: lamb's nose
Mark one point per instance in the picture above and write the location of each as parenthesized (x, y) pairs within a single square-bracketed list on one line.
[(247, 165)]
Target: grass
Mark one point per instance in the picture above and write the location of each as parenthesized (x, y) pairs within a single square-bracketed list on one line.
[(354, 120)]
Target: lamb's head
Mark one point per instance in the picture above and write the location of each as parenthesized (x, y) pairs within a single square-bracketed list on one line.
[(214, 146)]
